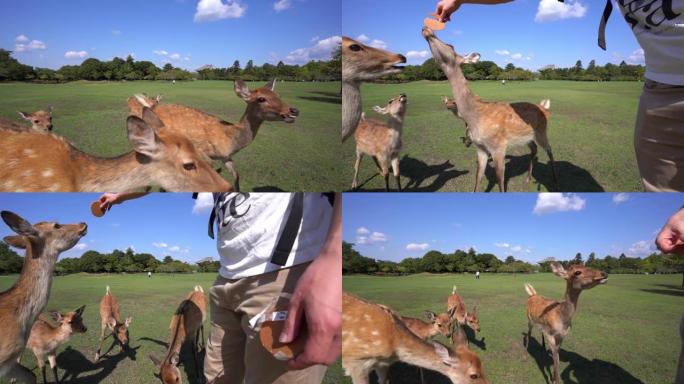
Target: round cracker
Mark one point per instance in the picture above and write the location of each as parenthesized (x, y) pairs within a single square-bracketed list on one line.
[(433, 24), (96, 210), (269, 334)]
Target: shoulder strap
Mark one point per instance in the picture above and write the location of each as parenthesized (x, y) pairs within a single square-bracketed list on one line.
[(289, 234), (607, 10)]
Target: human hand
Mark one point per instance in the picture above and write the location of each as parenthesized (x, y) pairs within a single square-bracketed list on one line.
[(671, 237), (445, 8), (109, 199)]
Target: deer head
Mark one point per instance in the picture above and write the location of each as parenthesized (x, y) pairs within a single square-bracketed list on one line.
[(47, 235), (168, 370), (264, 103), (445, 55), (361, 62), (580, 277), (396, 107), (40, 120), (73, 320)]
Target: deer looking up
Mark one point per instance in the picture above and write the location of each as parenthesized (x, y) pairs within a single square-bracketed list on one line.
[(362, 63), (553, 317), (492, 126), (382, 141)]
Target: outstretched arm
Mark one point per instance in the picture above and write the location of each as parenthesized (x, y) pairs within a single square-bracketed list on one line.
[(109, 199), (446, 7)]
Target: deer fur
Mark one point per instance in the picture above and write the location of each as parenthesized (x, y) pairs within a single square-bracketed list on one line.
[(110, 319), (456, 306), (436, 324)]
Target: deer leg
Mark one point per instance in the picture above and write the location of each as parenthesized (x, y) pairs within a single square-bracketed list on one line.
[(500, 164), (357, 370), (20, 373), (481, 164), (52, 359), (382, 371), (554, 345), (357, 164), (97, 354), (553, 169), (533, 159), (395, 170), (236, 176)]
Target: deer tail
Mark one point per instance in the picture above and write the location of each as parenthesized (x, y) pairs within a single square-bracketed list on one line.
[(198, 288), (530, 289), (453, 290), (107, 290), (546, 104)]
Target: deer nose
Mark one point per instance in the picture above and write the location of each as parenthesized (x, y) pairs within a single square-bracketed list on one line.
[(603, 274), (294, 111), (402, 58)]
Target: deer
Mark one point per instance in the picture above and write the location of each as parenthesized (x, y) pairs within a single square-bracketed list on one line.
[(218, 139), (553, 317), (374, 337), (450, 104), (49, 163), (26, 299), (110, 319), (137, 102), (45, 337), (41, 121), (492, 126), (457, 308), (186, 325), (382, 141), (437, 324), (360, 63)]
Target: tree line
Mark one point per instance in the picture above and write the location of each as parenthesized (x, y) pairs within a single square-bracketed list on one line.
[(117, 261), (129, 69), (471, 261)]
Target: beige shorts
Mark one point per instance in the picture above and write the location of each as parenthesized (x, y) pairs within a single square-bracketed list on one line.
[(234, 353), (659, 137)]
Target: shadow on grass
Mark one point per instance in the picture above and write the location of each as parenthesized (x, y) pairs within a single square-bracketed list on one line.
[(267, 188), (672, 290), (323, 97), (542, 357), (401, 373), (472, 339), (79, 369)]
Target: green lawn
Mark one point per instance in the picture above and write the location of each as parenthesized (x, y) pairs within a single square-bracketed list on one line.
[(304, 156), (590, 129), (626, 331), (151, 302)]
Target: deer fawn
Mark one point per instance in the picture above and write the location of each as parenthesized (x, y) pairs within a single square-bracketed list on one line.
[(21, 304), (186, 325), (374, 337), (46, 338), (457, 308), (492, 126), (218, 139), (438, 324), (553, 317), (41, 121), (110, 319), (382, 141), (362, 63), (33, 162)]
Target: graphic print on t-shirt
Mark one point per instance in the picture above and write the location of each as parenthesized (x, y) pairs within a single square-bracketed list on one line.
[(650, 15), (234, 204)]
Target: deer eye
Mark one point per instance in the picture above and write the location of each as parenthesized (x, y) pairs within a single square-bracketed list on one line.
[(57, 226), (36, 121), (474, 376), (189, 166), (577, 273), (355, 47), (261, 99)]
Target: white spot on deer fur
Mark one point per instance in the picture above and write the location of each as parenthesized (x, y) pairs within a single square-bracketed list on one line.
[(366, 316), (375, 333), (55, 187), (47, 173), (29, 152), (8, 185), (377, 342), (26, 173), (11, 163)]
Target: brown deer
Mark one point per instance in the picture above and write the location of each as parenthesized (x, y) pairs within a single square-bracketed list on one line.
[(137, 102), (21, 304), (219, 139), (374, 337), (45, 162), (362, 63), (461, 346), (456, 306), (553, 317), (186, 326), (492, 126), (450, 104), (41, 121), (437, 324), (46, 338), (110, 319), (382, 141)]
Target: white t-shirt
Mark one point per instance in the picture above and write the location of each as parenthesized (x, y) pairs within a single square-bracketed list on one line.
[(249, 226), (659, 27)]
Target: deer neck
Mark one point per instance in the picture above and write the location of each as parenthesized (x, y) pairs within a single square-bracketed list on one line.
[(177, 338), (33, 285), (420, 353), (466, 101), (351, 104), (569, 305), (250, 123), (123, 173), (395, 122)]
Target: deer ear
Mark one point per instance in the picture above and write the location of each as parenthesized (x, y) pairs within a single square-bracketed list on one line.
[(128, 322), (270, 85), (380, 110), (26, 116), (50, 109), (16, 241), (175, 359), (156, 361), (112, 323), (475, 310), (471, 58), (80, 310), (56, 316), (152, 119), (443, 353), (159, 97), (18, 224), (142, 137), (242, 90), (430, 315), (558, 270)]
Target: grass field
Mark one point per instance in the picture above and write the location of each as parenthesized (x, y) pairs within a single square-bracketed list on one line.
[(591, 132), (303, 156), (151, 302), (626, 331)]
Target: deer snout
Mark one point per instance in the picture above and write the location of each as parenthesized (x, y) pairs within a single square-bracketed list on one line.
[(402, 58), (294, 112), (428, 33), (84, 229)]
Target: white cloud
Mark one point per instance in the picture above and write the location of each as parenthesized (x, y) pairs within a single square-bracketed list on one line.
[(203, 204), (362, 231), (361, 240), (116, 32), (75, 54), (174, 248), (502, 245), (415, 55), (637, 57), (550, 10), (502, 52), (516, 56), (620, 198), (417, 246), (80, 246), (516, 248), (321, 50), (281, 5), (641, 248), (314, 39), (558, 202), (23, 44), (160, 52), (21, 39), (174, 56), (362, 38), (378, 237), (212, 10), (365, 236), (160, 245), (378, 44)]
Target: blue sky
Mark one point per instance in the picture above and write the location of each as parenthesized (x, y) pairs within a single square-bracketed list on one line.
[(160, 224), (526, 225), (187, 33), (503, 33)]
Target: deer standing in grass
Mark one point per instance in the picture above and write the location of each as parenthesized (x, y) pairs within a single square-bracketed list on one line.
[(186, 326), (437, 324), (110, 319), (362, 63), (41, 121), (553, 317), (382, 141), (374, 337), (457, 308), (21, 304), (492, 126), (46, 338), (219, 139), (45, 162)]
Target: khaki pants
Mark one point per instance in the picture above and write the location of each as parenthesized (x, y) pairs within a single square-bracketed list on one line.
[(234, 352), (659, 137)]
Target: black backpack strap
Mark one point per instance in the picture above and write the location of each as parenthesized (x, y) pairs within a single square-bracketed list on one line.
[(212, 216), (602, 27), (289, 234)]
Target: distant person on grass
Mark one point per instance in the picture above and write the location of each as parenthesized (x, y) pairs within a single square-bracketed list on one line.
[(257, 266), (477, 275), (659, 134)]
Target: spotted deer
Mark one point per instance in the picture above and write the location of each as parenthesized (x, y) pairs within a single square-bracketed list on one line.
[(49, 163), (382, 141), (219, 139), (456, 306), (436, 324), (41, 121), (554, 317), (374, 337), (361, 63), (110, 319), (186, 326), (492, 126), (46, 338), (460, 346), (26, 299)]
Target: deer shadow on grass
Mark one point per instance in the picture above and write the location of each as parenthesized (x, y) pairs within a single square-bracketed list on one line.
[(323, 97), (78, 369), (671, 290), (402, 373), (472, 339), (541, 356)]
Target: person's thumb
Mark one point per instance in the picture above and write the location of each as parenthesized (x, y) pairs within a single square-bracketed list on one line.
[(293, 321)]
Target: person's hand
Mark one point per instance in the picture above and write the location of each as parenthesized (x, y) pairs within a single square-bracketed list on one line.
[(318, 299), (445, 8), (671, 237), (109, 199)]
